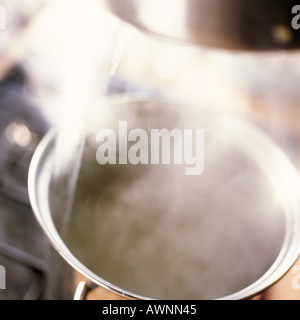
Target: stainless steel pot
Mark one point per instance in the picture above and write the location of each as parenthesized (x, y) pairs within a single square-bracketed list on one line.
[(252, 204), (231, 24)]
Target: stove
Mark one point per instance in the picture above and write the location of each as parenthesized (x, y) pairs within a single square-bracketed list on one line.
[(23, 248)]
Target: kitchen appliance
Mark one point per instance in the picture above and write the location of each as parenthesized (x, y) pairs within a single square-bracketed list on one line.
[(151, 232), (236, 29), (261, 25)]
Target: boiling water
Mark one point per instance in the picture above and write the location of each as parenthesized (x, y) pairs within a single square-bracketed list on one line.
[(151, 230), (154, 231), (89, 59)]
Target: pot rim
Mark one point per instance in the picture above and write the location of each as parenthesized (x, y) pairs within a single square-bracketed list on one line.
[(289, 184), (235, 27)]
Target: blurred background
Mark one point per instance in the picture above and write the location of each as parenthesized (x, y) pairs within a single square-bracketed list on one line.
[(57, 57)]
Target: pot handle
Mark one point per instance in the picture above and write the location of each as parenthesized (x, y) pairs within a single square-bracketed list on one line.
[(83, 288)]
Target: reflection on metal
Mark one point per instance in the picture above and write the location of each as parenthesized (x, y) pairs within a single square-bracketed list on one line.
[(231, 24), (2, 278), (18, 133)]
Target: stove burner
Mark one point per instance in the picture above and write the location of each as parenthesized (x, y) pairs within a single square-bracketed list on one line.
[(23, 247), (22, 244)]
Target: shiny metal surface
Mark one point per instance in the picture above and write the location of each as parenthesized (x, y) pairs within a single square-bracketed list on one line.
[(273, 164), (230, 24)]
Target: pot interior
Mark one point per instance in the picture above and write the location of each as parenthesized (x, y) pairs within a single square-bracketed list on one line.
[(154, 231)]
